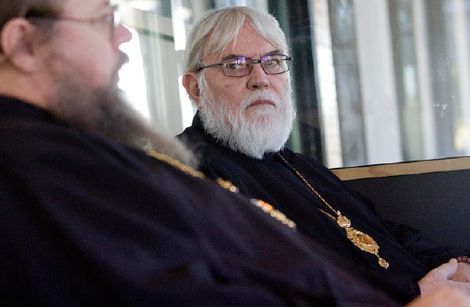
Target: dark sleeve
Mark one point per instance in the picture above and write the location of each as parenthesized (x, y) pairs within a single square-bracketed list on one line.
[(422, 248), (10, 267), (77, 230), (95, 257), (96, 254), (428, 252), (111, 237)]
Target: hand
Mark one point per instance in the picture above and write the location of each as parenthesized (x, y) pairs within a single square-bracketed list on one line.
[(463, 273), (442, 297), (444, 275)]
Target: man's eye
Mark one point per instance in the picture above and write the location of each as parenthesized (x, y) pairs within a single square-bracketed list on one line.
[(273, 62), (234, 65)]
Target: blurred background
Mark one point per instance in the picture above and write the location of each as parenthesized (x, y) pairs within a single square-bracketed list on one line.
[(375, 81)]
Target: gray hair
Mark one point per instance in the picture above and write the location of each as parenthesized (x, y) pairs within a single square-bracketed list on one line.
[(217, 28)]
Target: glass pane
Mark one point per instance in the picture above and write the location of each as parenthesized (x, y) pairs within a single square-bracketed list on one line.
[(375, 81)]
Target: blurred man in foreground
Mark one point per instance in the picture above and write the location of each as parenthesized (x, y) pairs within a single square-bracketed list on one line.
[(237, 65)]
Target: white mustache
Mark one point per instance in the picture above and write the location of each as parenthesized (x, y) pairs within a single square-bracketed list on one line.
[(260, 95)]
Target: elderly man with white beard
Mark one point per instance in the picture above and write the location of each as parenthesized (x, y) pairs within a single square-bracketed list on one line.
[(236, 74)]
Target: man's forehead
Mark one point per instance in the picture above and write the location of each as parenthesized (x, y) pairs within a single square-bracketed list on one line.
[(255, 51), (248, 43)]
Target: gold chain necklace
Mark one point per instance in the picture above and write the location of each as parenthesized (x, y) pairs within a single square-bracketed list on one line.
[(188, 170), (361, 240)]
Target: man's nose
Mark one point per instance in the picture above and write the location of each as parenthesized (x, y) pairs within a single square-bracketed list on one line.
[(122, 35), (258, 79)]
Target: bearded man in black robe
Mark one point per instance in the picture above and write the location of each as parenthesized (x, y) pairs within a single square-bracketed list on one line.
[(237, 75)]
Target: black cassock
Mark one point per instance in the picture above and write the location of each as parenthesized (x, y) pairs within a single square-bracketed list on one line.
[(87, 222), (410, 255)]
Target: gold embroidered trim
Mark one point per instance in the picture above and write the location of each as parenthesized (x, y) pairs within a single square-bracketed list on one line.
[(226, 184)]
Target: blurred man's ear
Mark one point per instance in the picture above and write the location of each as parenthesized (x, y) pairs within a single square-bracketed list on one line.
[(17, 41), (190, 83)]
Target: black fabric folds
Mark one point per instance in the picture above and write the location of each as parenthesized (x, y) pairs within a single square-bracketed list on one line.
[(410, 256), (87, 222)]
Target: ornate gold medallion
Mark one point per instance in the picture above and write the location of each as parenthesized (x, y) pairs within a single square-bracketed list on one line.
[(361, 240)]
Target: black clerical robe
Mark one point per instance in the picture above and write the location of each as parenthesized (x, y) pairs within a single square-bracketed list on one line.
[(87, 222), (272, 180)]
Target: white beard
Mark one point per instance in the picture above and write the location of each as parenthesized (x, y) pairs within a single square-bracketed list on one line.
[(254, 131)]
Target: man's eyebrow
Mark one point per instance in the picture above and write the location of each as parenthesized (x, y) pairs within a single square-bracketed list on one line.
[(277, 51), (234, 56)]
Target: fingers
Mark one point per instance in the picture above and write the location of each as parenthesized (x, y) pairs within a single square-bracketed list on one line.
[(463, 273), (446, 270), (438, 277), (442, 297)]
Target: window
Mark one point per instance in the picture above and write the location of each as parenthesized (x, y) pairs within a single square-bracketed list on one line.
[(375, 81)]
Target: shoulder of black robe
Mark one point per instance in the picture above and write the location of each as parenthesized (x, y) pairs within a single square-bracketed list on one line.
[(87, 222), (270, 180)]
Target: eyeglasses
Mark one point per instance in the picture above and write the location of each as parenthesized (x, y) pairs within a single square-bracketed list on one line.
[(239, 66), (113, 19)]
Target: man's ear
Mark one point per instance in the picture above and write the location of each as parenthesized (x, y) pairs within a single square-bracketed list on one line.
[(190, 83), (17, 41)]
